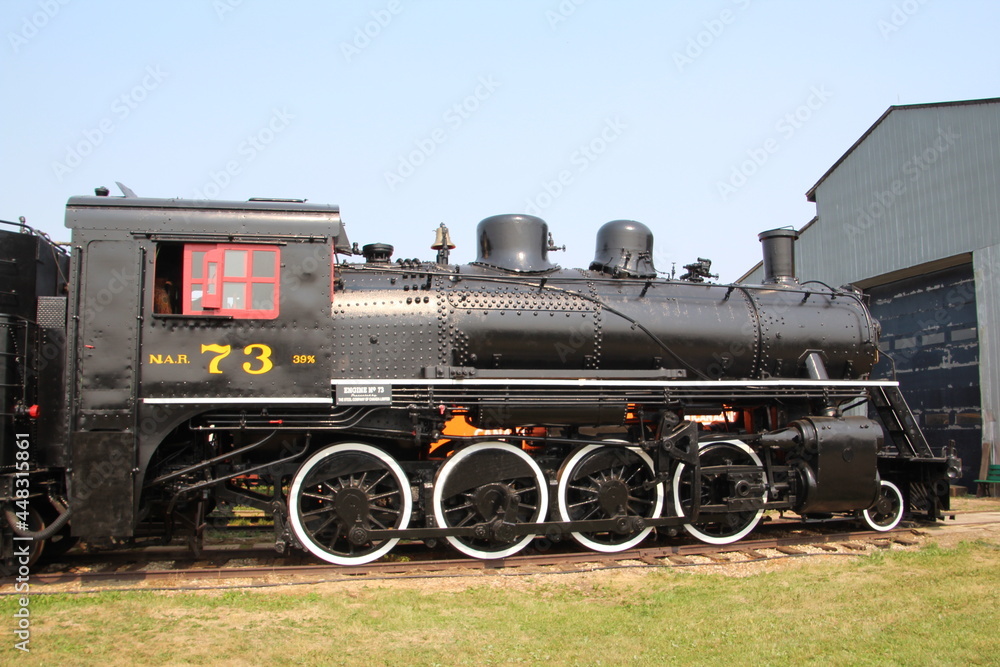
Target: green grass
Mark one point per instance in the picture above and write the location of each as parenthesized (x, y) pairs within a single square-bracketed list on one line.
[(932, 606)]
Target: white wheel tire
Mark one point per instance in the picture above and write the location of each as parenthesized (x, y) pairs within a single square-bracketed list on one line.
[(693, 530), (899, 515), (293, 503), (448, 468), (564, 508)]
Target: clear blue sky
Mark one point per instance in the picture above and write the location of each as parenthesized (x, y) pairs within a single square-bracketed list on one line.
[(707, 121)]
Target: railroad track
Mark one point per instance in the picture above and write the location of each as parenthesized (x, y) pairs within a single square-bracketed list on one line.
[(225, 566)]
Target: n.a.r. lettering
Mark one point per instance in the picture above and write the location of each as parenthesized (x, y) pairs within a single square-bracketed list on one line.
[(169, 359)]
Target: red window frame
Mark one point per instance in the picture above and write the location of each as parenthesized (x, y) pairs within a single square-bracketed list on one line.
[(216, 274)]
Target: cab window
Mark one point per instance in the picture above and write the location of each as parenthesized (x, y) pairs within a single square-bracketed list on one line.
[(240, 281)]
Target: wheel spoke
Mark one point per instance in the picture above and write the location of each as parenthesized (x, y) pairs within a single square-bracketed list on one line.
[(591, 503), (463, 506), (632, 477), (380, 496), (322, 526), (322, 510), (378, 481), (641, 501), (466, 520)]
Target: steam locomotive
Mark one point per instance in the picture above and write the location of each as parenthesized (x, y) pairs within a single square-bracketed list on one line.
[(183, 357)]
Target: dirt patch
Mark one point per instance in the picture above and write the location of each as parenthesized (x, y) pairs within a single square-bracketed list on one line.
[(964, 504), (970, 527)]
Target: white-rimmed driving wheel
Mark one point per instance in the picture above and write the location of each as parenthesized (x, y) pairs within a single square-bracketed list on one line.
[(887, 510), (339, 494), (605, 482), (717, 488), (490, 486)]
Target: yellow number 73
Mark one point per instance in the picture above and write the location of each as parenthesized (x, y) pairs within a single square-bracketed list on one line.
[(223, 351)]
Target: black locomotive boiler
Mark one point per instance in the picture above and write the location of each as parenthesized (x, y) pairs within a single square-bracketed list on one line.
[(181, 357)]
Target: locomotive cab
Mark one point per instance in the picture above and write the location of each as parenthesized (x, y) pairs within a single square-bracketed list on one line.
[(185, 307)]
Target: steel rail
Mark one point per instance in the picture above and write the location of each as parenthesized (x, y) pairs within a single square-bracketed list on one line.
[(125, 566), (659, 555)]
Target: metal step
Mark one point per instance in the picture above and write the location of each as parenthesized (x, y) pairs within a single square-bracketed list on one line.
[(900, 422)]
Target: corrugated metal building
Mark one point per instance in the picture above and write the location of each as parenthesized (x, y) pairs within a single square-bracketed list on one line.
[(911, 214)]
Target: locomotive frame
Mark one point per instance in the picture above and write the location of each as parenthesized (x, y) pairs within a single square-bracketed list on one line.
[(189, 354)]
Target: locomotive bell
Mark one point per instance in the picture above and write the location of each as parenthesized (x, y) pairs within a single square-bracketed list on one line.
[(514, 242), (442, 243), (624, 249), (442, 239)]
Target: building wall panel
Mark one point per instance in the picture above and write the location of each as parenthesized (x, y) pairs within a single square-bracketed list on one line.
[(987, 267), (921, 187)]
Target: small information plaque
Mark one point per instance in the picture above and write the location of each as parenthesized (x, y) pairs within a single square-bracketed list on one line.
[(374, 393)]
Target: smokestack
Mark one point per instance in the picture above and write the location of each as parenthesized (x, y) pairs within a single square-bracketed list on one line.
[(778, 246)]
